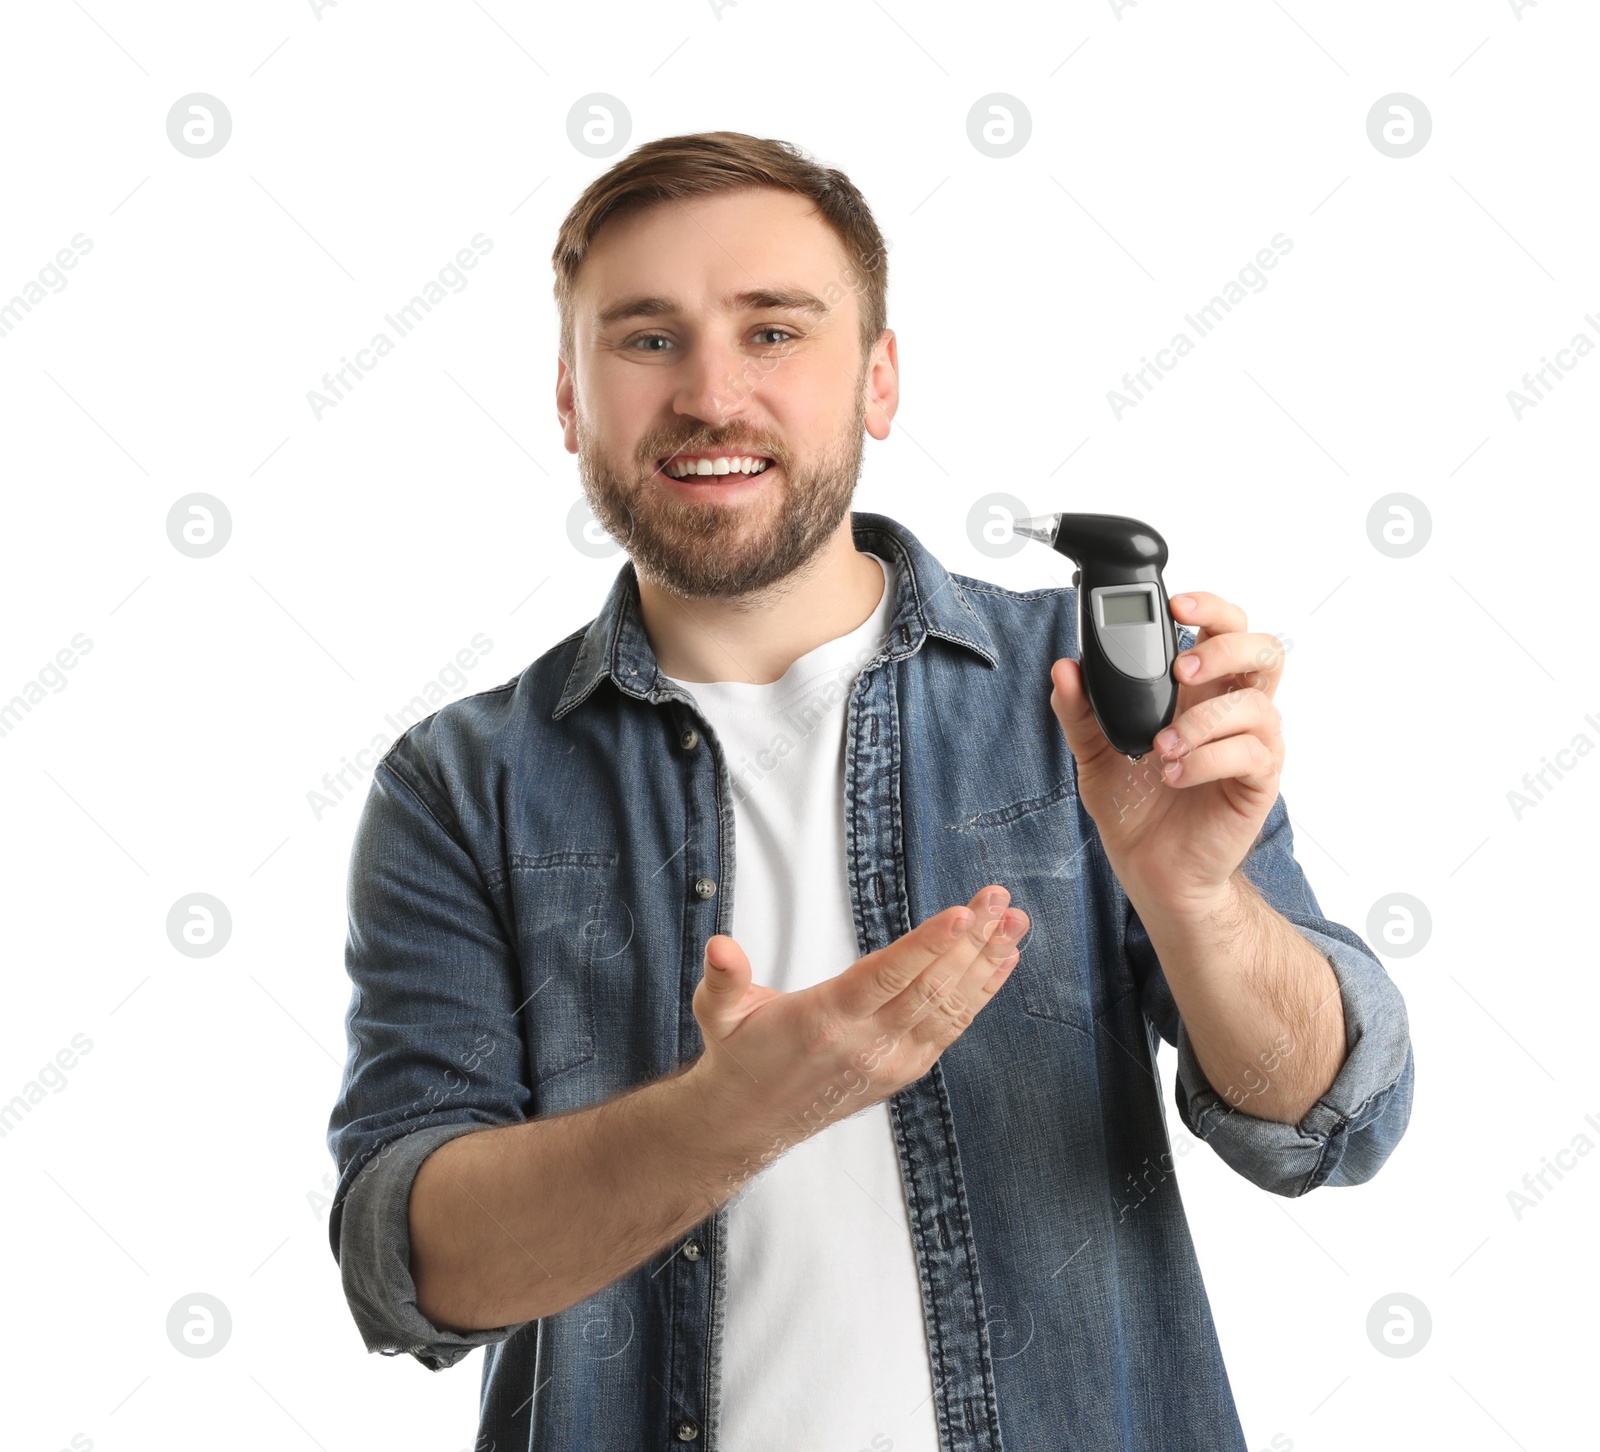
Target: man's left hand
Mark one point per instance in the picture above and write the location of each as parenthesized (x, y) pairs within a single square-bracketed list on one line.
[(1177, 823)]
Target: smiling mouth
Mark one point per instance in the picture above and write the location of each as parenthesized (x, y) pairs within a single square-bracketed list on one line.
[(730, 469)]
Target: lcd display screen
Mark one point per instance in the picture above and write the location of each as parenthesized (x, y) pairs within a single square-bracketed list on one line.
[(1129, 609)]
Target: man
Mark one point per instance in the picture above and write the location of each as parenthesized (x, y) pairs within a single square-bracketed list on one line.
[(839, 1166)]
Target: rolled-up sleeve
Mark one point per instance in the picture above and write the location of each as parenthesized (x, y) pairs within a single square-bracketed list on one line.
[(1345, 1137), (374, 1254), (434, 1047)]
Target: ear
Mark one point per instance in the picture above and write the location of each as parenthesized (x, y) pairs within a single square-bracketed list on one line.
[(883, 386), (566, 405)]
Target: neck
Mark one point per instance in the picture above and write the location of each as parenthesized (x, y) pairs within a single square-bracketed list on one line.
[(757, 638)]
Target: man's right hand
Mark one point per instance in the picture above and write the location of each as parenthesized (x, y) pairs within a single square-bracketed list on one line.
[(788, 1064)]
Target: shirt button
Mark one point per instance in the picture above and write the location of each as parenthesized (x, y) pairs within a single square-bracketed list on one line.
[(705, 886), (693, 1250), (690, 739), (687, 1431)]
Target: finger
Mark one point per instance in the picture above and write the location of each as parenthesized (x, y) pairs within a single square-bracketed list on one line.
[(990, 967), (722, 997), (953, 990), (1070, 702), (724, 976), (1211, 613), (1247, 709), (869, 983), (1256, 657), (1244, 758)]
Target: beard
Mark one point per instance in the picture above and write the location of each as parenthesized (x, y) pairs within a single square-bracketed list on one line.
[(700, 549)]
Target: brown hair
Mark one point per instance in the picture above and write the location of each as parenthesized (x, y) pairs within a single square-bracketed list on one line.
[(715, 161)]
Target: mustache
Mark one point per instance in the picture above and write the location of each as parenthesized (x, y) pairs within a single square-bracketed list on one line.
[(744, 445)]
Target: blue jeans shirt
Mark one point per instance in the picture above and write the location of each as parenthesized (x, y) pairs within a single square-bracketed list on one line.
[(534, 878)]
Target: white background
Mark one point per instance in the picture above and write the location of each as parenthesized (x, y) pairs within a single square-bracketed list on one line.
[(184, 1152)]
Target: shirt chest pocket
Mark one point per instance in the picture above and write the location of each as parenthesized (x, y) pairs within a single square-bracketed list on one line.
[(561, 903), (1044, 854)]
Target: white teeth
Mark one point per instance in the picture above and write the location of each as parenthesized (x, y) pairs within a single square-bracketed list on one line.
[(748, 464)]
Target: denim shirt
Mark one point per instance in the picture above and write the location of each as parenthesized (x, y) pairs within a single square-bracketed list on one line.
[(534, 877)]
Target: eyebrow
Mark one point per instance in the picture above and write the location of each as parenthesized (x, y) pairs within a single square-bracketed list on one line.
[(759, 299)]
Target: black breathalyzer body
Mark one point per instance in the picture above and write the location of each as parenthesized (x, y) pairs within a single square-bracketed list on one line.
[(1126, 641)]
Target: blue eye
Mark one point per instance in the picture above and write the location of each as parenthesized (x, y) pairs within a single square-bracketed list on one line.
[(662, 338)]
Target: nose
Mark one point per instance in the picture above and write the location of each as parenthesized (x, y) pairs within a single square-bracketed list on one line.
[(716, 382)]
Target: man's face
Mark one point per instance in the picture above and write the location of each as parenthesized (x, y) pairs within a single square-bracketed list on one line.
[(669, 359)]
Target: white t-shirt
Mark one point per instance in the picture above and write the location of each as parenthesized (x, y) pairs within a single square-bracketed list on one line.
[(825, 1347)]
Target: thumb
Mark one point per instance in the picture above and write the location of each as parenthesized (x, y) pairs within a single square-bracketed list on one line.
[(1070, 702), (725, 970)]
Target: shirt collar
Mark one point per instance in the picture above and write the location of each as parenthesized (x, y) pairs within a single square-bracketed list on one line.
[(928, 601)]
